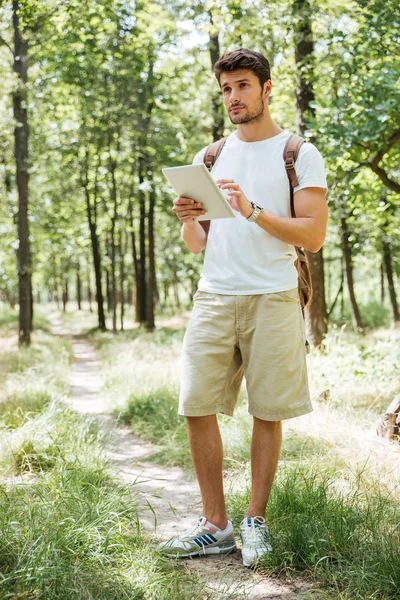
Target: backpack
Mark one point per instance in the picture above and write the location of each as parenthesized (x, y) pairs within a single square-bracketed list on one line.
[(290, 153)]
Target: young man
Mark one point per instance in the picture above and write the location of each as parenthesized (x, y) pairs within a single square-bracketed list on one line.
[(247, 317)]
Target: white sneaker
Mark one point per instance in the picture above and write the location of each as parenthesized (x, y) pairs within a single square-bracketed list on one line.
[(255, 539), (204, 538)]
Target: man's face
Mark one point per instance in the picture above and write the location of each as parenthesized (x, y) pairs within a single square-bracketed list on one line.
[(243, 96)]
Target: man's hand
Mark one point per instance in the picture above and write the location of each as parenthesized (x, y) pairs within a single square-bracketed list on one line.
[(187, 208), (236, 197)]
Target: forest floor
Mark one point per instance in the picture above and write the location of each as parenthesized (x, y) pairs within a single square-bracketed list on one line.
[(168, 496), (91, 445)]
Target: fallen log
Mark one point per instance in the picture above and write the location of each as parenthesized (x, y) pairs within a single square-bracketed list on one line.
[(388, 425)]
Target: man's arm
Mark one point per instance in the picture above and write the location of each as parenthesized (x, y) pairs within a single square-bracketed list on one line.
[(308, 229), (193, 233)]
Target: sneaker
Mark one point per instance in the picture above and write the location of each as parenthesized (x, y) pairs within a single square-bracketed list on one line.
[(255, 539), (204, 538)]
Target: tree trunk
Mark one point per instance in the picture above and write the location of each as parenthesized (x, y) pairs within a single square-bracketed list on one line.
[(387, 257), (89, 289), (135, 259), (141, 283), (121, 246), (92, 220), (65, 294), (78, 287), (166, 293), (382, 274), (216, 99), (112, 165), (176, 293), (21, 134), (355, 312), (315, 313), (151, 280)]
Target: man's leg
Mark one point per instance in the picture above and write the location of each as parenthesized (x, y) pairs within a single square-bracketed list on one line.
[(207, 455), (265, 450)]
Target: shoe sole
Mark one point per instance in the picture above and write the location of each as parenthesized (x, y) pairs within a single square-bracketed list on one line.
[(205, 551), (253, 562)]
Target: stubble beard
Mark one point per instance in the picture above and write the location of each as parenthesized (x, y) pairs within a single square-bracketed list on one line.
[(254, 115)]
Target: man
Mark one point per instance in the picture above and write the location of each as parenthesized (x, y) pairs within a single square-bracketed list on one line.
[(247, 317)]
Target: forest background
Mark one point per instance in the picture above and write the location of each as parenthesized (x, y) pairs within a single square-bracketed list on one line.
[(98, 96)]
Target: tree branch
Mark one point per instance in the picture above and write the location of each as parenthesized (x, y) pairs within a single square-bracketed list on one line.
[(5, 43), (392, 185)]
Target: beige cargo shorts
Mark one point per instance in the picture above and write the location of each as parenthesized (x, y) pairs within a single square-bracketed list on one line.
[(260, 337)]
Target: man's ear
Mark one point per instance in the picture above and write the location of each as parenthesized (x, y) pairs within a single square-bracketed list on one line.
[(267, 89)]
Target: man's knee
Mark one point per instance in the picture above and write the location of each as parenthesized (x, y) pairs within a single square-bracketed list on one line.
[(201, 422)]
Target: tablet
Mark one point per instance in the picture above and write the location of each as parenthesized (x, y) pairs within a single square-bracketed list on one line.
[(195, 181)]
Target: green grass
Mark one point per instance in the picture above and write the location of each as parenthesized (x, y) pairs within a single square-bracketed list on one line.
[(9, 318), (346, 536), (341, 529), (69, 531), (33, 376)]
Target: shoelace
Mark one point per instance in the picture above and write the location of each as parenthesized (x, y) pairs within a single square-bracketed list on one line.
[(196, 531), (254, 534)]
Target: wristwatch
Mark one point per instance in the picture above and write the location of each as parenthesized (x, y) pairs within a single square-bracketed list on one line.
[(256, 211)]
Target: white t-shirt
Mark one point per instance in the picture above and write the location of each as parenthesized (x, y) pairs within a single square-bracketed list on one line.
[(241, 258)]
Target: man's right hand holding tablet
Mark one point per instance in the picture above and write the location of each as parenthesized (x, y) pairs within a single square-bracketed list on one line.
[(187, 208), (193, 234)]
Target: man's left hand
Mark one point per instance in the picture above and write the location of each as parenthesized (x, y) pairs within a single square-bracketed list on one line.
[(236, 197)]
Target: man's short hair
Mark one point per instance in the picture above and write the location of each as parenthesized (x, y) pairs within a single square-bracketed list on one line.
[(243, 58)]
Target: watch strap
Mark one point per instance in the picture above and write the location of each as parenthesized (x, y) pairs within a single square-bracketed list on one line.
[(256, 211)]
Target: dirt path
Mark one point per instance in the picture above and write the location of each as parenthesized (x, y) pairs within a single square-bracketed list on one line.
[(173, 495)]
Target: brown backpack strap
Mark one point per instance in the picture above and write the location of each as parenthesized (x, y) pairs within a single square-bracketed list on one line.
[(290, 154), (210, 158), (212, 153)]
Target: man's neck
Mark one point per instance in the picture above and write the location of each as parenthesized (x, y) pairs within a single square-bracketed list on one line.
[(258, 130)]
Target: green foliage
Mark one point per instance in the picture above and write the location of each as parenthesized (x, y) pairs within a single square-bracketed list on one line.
[(113, 85), (68, 530), (347, 539)]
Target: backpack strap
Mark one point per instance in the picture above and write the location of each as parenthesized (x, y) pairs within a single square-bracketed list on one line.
[(290, 154), (210, 158), (212, 152)]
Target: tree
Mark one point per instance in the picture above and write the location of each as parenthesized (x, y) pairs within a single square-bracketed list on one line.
[(315, 313), (21, 133)]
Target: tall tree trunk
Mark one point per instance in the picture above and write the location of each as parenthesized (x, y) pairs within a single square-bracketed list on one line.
[(146, 101), (355, 312), (65, 294), (382, 274), (78, 286), (141, 283), (151, 280), (387, 257), (92, 220), (315, 313), (89, 288), (135, 259), (121, 247), (176, 292), (112, 164), (216, 99), (21, 134)]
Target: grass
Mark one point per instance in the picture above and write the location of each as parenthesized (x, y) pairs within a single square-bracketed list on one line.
[(69, 531), (348, 539), (334, 510), (9, 318)]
